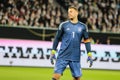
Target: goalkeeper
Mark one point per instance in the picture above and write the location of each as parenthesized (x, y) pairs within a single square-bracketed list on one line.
[(70, 33)]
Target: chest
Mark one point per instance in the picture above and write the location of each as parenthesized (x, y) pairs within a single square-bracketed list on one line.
[(73, 29)]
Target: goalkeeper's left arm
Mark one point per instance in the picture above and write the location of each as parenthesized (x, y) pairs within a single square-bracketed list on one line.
[(88, 48)]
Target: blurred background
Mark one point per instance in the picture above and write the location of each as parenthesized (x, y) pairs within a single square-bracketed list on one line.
[(39, 19), (29, 27)]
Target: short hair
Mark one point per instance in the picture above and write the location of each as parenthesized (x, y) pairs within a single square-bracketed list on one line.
[(73, 7)]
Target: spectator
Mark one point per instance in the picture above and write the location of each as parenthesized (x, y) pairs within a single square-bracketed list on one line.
[(108, 41), (39, 13), (92, 40), (97, 41), (99, 15)]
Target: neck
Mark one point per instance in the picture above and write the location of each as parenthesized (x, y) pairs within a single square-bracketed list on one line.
[(75, 20)]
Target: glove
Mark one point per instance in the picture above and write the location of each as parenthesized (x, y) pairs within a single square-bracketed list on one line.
[(89, 59), (52, 57)]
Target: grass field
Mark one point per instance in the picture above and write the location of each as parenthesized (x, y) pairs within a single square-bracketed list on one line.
[(29, 73)]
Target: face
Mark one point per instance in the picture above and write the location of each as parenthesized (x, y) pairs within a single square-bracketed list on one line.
[(72, 13)]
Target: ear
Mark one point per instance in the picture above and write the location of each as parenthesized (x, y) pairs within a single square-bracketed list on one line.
[(77, 13)]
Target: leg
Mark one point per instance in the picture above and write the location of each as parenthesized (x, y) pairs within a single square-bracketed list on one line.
[(56, 76), (59, 68), (76, 78), (75, 69)]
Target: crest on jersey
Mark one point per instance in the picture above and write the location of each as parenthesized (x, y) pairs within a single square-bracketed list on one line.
[(79, 29)]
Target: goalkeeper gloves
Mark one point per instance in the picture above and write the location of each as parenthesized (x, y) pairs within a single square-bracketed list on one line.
[(90, 59), (52, 57)]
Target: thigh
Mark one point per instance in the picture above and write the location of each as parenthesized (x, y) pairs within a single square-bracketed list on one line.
[(75, 68), (60, 66)]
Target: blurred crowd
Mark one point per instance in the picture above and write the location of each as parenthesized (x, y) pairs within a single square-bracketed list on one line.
[(99, 15), (40, 13)]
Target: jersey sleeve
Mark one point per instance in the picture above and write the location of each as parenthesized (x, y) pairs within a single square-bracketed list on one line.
[(85, 33), (87, 40), (58, 36)]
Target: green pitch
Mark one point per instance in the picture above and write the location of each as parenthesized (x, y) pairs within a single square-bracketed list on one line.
[(29, 73)]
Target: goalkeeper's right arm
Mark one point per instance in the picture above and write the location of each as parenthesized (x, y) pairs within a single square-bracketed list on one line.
[(52, 56)]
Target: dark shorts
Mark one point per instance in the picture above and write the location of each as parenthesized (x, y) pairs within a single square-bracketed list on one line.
[(75, 67)]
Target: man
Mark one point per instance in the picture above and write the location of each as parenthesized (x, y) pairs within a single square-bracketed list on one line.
[(70, 33)]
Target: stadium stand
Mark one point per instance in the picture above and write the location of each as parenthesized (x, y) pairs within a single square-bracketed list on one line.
[(99, 15), (40, 13)]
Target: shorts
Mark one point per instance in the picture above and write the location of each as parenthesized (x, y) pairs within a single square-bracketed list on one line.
[(74, 66)]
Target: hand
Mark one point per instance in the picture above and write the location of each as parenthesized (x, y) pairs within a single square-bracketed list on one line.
[(52, 56), (90, 59)]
